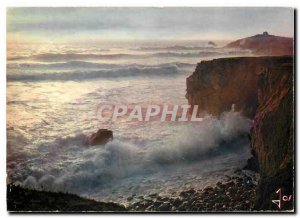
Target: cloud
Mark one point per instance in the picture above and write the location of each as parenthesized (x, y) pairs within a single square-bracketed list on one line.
[(149, 22)]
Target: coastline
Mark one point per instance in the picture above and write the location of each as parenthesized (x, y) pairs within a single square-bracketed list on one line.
[(236, 194), (241, 193)]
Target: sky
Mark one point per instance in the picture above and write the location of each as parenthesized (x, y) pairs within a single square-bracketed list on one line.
[(82, 24)]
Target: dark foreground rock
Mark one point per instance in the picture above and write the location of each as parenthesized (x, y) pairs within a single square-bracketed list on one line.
[(236, 194), (101, 137), (24, 200)]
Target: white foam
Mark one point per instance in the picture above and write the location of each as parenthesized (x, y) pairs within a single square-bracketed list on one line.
[(97, 166)]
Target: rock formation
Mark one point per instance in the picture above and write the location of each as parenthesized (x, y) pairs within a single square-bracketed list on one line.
[(102, 136), (217, 85), (212, 43), (272, 134), (262, 89), (265, 44)]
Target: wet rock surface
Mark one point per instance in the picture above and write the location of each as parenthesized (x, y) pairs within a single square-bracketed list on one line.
[(236, 194), (101, 137)]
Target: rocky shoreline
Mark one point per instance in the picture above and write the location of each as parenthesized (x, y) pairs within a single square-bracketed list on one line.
[(238, 193)]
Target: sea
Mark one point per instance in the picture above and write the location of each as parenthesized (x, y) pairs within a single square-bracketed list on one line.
[(54, 91)]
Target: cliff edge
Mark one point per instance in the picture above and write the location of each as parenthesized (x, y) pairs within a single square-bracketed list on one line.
[(217, 85), (261, 88)]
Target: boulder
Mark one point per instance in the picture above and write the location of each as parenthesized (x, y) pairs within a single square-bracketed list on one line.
[(101, 137)]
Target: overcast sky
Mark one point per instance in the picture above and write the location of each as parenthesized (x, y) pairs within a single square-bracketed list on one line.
[(80, 24)]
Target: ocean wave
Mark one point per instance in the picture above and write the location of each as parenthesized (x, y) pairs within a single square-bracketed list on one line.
[(188, 54), (100, 165), (87, 75), (52, 57), (63, 65), (212, 137), (86, 65), (58, 57), (174, 48)]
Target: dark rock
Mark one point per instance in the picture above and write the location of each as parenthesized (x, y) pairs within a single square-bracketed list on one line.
[(159, 197), (183, 206), (228, 177), (219, 184), (177, 202), (212, 43), (130, 198), (208, 189), (157, 203), (191, 191), (25, 200), (252, 164), (153, 195), (230, 184), (149, 208), (184, 194), (164, 199), (164, 207), (101, 137)]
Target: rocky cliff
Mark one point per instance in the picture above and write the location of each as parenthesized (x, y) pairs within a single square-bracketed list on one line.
[(217, 85), (265, 44), (262, 89), (272, 134)]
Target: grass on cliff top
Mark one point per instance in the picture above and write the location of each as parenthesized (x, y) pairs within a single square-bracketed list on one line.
[(24, 200)]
